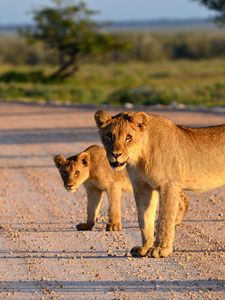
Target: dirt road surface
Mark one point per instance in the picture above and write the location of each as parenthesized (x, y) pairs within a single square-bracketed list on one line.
[(43, 256)]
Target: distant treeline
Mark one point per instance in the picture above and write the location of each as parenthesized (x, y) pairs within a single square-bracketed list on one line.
[(143, 46)]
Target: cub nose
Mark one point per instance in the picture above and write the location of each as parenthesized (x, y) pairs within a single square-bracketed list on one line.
[(116, 154)]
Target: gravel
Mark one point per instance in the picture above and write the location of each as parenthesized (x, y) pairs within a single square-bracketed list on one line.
[(42, 256)]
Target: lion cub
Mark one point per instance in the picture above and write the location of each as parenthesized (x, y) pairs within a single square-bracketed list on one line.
[(92, 168)]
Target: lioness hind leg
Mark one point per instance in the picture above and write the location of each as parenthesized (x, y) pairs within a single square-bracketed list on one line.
[(94, 199), (182, 208)]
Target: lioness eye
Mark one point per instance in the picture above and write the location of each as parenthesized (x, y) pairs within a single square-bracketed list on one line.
[(128, 137), (77, 173)]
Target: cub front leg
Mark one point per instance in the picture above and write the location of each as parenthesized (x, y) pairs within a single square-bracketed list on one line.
[(94, 199), (146, 201), (168, 207), (114, 211)]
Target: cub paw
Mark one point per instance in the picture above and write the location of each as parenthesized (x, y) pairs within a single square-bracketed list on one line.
[(113, 227), (138, 251), (158, 252), (84, 226)]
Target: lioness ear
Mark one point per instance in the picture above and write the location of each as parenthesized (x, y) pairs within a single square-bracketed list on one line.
[(59, 160), (84, 158), (140, 119), (102, 118)]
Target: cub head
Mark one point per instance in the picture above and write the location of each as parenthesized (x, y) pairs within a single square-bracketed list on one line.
[(73, 170), (122, 136)]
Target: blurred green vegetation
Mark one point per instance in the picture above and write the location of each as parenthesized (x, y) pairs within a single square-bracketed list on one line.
[(186, 68), (68, 29), (144, 46), (183, 81)]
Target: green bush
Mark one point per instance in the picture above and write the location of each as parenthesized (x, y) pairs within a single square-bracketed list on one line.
[(16, 51), (196, 46), (149, 47), (18, 76), (145, 95)]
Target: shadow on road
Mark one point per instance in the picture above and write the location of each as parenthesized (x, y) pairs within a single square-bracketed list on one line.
[(64, 254), (108, 286), (56, 227), (21, 167), (93, 255), (48, 135), (24, 156)]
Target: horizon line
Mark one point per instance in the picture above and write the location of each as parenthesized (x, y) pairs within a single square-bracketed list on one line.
[(156, 20)]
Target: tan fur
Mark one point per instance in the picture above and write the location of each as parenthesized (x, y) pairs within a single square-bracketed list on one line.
[(97, 176), (92, 169), (162, 158)]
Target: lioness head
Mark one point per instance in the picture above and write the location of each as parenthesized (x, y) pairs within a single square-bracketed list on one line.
[(121, 135), (73, 170)]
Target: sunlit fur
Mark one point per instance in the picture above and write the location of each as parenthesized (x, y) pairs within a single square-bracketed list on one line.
[(73, 170), (91, 168), (165, 158), (119, 127)]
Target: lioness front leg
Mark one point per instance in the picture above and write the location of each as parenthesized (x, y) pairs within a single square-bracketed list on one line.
[(94, 199), (168, 207), (114, 211), (146, 201)]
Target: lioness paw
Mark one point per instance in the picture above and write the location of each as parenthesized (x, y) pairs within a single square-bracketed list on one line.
[(84, 226), (158, 252), (113, 227), (138, 251)]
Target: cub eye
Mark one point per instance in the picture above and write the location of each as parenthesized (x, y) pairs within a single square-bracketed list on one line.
[(128, 138), (77, 173)]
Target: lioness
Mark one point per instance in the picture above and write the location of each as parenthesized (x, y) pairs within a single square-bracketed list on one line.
[(164, 157), (92, 168)]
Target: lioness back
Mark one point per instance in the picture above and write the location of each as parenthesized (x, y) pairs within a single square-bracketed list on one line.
[(163, 151)]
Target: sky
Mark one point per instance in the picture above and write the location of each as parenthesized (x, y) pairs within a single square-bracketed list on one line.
[(16, 11)]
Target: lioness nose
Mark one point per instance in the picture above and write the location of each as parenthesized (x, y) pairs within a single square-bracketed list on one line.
[(116, 154)]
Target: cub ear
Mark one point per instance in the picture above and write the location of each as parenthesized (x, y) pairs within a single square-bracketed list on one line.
[(59, 160), (102, 118), (84, 158), (140, 119)]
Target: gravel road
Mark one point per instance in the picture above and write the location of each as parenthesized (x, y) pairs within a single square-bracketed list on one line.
[(43, 256)]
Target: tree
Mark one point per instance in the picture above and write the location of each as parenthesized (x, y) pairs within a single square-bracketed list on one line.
[(218, 6), (69, 30)]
